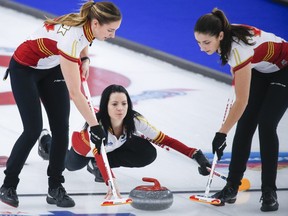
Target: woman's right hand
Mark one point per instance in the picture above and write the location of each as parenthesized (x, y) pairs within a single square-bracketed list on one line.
[(219, 144), (97, 136)]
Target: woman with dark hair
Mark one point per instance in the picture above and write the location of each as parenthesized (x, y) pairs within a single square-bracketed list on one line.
[(259, 65), (45, 68), (129, 138)]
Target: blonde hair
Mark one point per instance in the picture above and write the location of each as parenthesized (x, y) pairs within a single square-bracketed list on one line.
[(104, 12)]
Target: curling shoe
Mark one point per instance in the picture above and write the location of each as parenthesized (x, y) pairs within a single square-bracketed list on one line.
[(202, 161), (228, 194), (9, 196), (93, 169), (43, 146), (59, 197), (269, 200)]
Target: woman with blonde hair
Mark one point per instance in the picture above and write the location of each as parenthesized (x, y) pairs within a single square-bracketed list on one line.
[(45, 68)]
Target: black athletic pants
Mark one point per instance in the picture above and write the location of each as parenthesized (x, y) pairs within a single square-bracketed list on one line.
[(268, 102), (29, 86), (135, 152)]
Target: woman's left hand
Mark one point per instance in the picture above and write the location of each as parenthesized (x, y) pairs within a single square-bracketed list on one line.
[(85, 69)]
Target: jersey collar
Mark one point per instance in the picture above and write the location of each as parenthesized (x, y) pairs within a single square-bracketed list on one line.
[(88, 31)]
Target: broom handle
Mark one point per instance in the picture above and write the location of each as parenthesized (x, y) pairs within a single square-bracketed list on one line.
[(103, 151)]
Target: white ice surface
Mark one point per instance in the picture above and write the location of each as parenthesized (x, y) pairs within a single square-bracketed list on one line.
[(192, 118)]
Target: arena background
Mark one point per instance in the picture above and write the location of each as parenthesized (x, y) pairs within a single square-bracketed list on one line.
[(165, 27)]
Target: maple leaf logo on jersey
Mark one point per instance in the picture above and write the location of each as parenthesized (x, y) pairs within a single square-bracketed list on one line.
[(49, 27)]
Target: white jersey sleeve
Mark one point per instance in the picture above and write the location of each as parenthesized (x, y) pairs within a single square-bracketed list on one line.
[(145, 128)]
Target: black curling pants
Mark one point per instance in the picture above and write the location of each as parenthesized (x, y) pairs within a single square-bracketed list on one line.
[(135, 152), (30, 87), (268, 102)]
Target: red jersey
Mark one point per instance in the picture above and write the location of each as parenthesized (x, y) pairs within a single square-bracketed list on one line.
[(42, 49), (268, 54)]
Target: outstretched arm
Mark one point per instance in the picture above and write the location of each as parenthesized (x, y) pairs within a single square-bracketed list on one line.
[(163, 139), (193, 153)]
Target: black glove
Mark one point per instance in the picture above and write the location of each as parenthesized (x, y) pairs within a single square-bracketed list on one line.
[(202, 161), (97, 136), (219, 144)]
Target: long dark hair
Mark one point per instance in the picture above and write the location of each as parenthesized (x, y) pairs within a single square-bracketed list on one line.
[(103, 116), (215, 22)]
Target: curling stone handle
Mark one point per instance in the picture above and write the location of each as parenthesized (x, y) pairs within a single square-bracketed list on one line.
[(156, 186)]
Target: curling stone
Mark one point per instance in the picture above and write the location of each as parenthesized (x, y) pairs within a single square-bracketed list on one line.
[(151, 198)]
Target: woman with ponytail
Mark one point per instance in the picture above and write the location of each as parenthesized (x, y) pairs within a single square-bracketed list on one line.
[(46, 68), (259, 66)]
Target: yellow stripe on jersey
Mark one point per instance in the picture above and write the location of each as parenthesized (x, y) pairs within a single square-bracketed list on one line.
[(94, 151), (88, 32), (141, 118), (236, 56), (270, 51), (239, 63), (71, 55), (70, 58), (73, 51), (43, 48), (83, 138), (159, 138)]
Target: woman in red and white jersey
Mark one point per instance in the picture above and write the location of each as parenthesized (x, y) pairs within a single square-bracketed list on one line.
[(45, 68), (259, 65), (128, 143)]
